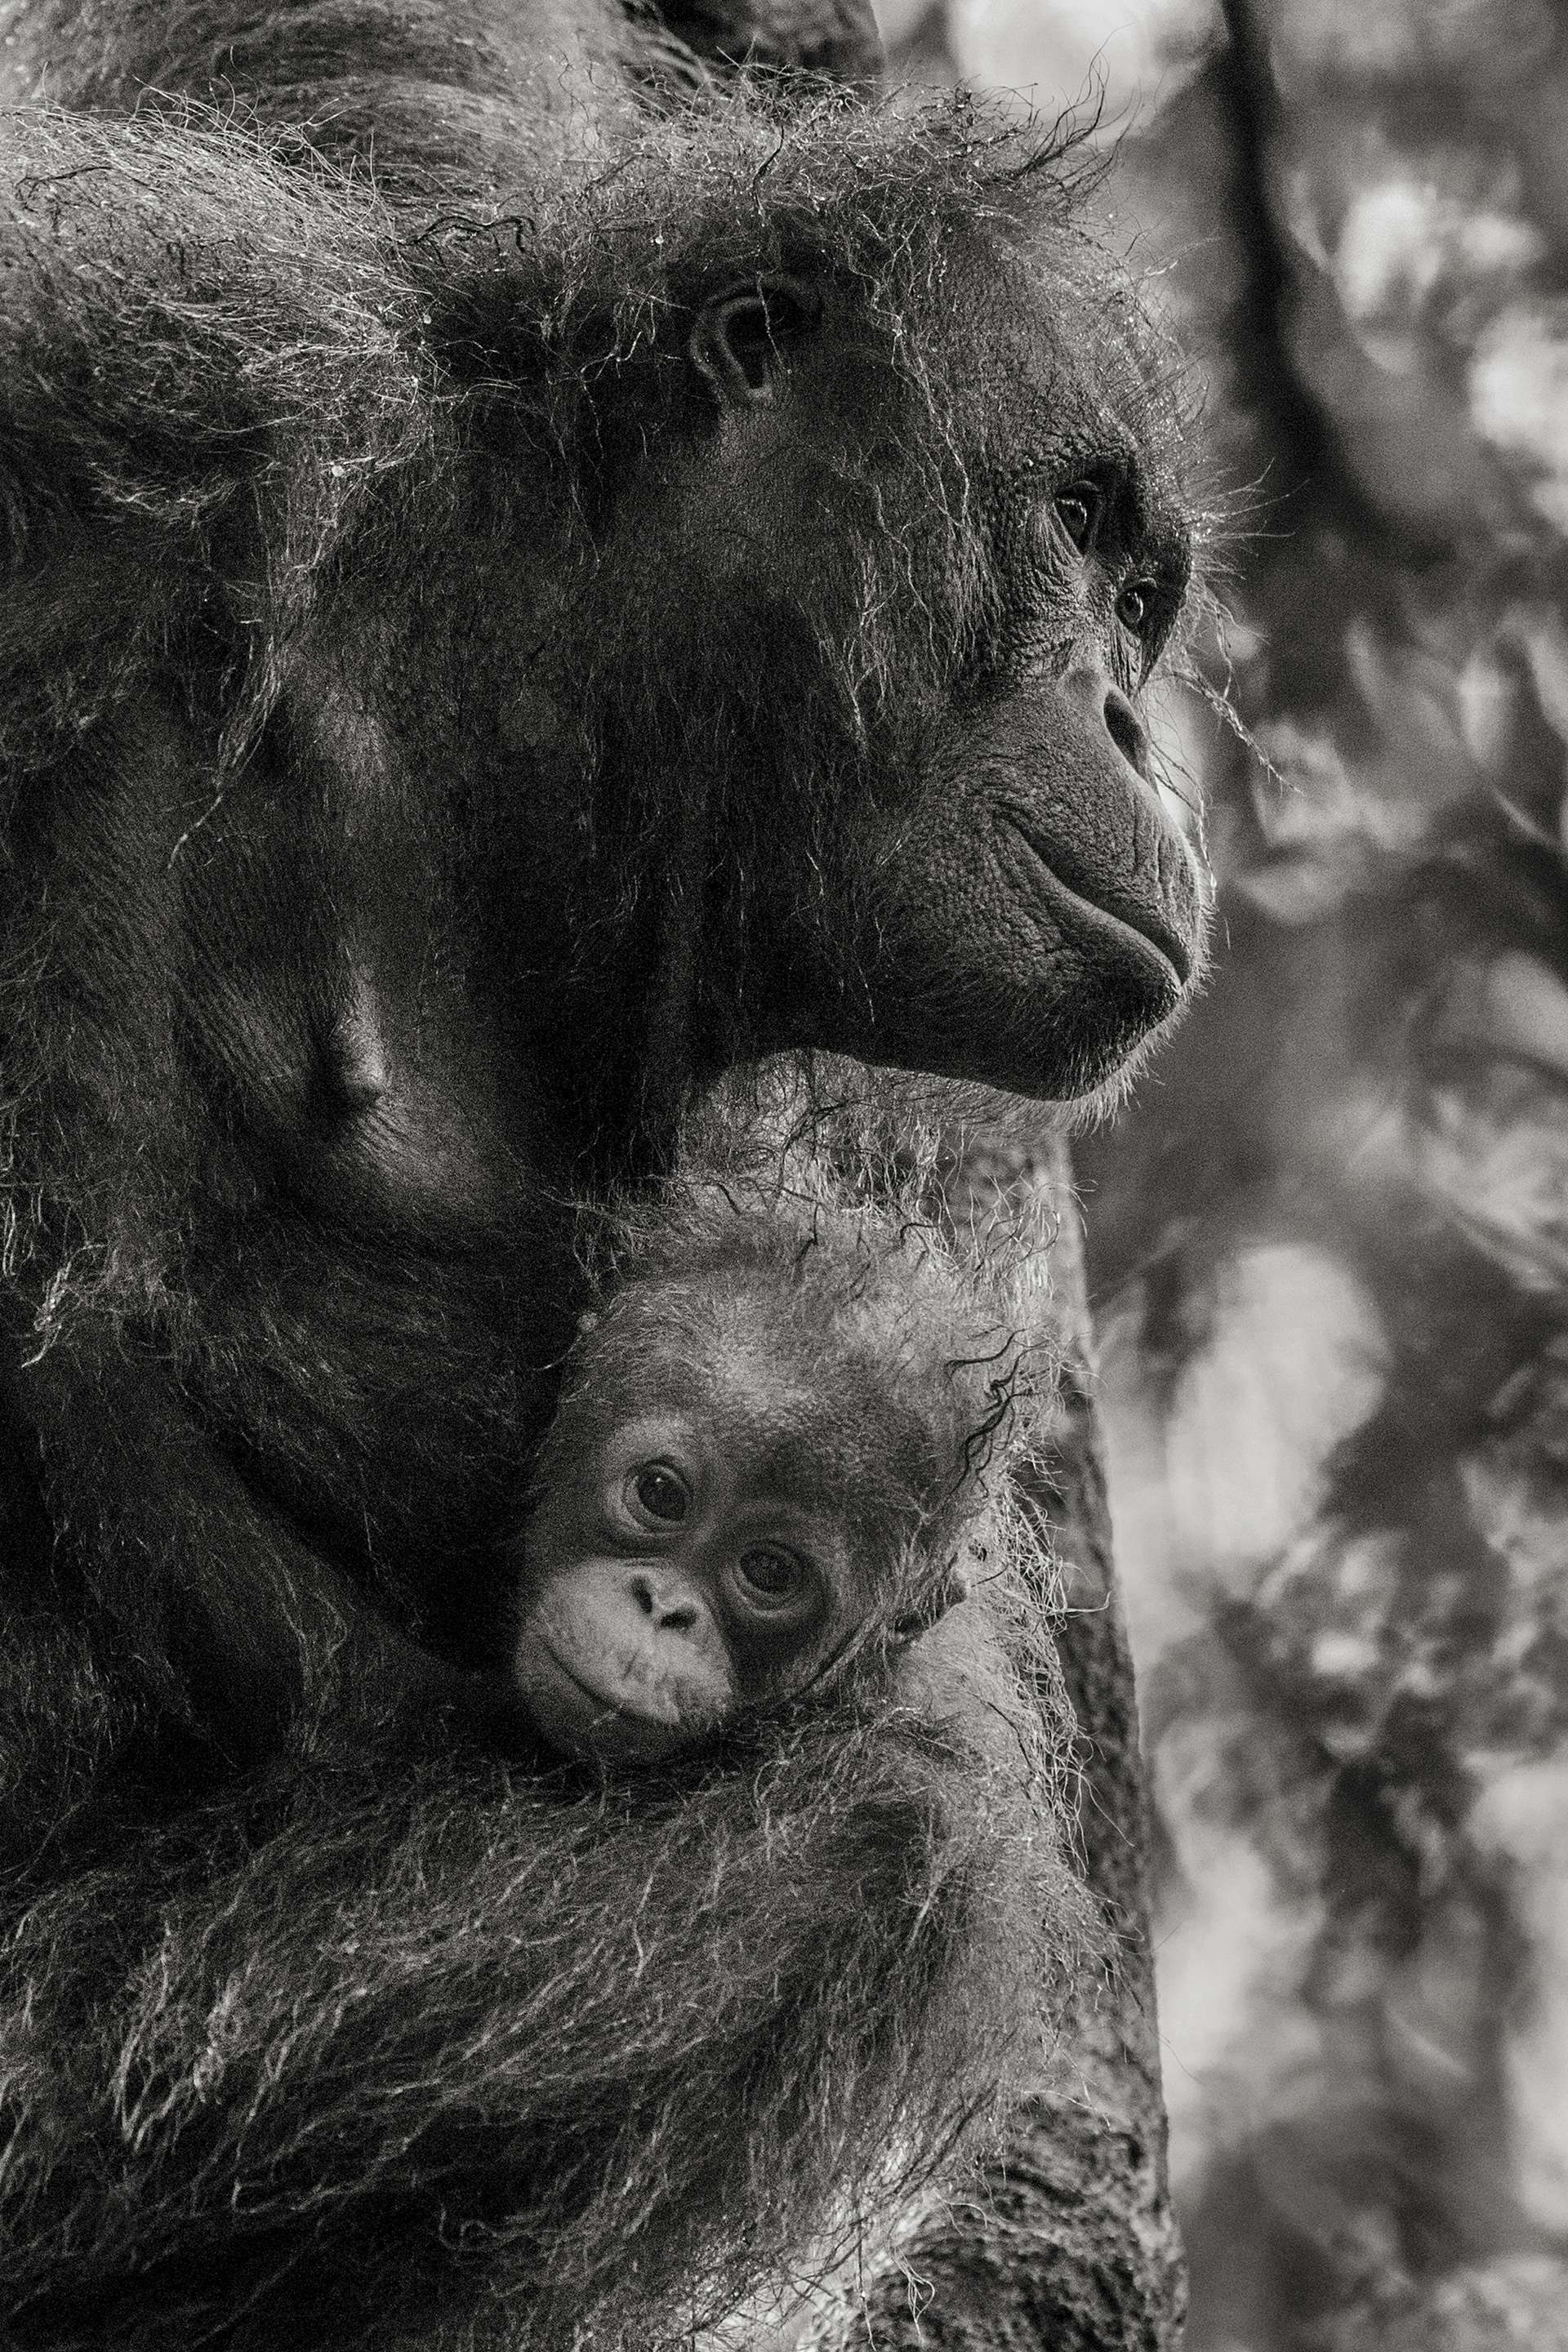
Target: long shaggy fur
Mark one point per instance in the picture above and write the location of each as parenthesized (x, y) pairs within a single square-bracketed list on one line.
[(319, 2024), (564, 2064)]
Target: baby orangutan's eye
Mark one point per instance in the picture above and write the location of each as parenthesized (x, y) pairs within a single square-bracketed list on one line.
[(768, 1577), (657, 1494)]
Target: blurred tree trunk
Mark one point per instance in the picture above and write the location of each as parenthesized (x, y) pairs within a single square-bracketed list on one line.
[(1075, 2250)]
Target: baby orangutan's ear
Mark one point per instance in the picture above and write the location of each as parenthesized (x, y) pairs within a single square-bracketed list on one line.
[(589, 1320)]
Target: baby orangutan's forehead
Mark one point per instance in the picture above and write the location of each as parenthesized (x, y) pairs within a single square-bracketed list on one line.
[(844, 1408), (832, 1436)]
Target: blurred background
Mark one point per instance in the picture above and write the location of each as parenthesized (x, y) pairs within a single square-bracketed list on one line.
[(1329, 1244)]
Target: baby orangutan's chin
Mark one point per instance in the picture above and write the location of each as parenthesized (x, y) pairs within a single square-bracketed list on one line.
[(573, 1714)]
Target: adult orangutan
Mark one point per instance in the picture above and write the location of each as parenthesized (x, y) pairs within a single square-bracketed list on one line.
[(578, 574)]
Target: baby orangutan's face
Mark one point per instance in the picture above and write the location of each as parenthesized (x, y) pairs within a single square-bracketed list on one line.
[(669, 1580)]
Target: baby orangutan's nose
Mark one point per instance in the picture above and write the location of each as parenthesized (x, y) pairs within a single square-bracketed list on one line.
[(669, 1603)]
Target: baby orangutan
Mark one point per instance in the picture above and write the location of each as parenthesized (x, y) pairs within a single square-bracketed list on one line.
[(762, 1463)]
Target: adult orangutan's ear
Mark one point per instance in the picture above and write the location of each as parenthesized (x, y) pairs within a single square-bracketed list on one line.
[(744, 338)]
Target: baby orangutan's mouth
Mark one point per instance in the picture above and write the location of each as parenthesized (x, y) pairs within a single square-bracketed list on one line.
[(597, 1698), (572, 1714), (601, 1705)]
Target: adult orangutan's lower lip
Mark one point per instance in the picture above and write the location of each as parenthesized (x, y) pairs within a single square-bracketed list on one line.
[(1174, 953)]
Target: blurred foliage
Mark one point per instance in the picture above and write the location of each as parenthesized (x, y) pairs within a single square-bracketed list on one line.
[(1330, 1244)]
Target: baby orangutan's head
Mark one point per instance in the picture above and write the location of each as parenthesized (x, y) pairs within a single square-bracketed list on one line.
[(763, 1450)]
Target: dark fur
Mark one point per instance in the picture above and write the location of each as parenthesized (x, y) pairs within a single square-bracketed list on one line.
[(464, 98), (408, 800), (445, 2045)]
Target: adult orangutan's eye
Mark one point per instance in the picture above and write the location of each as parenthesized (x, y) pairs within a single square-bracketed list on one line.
[(1079, 509), (659, 1494), (1134, 605)]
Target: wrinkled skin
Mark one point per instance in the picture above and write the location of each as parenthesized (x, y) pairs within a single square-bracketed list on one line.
[(1009, 900)]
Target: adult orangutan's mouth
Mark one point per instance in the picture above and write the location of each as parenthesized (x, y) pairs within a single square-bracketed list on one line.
[(1144, 934)]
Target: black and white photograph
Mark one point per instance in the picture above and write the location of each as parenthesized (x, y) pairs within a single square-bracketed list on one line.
[(784, 1176)]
